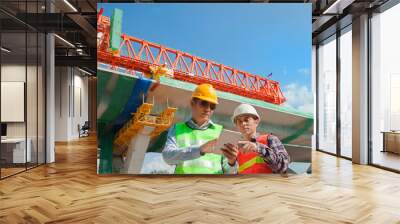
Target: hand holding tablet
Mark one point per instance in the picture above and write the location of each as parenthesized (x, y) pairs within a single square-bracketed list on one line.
[(247, 146), (226, 137)]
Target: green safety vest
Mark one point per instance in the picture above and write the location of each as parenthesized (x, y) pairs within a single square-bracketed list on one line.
[(206, 164)]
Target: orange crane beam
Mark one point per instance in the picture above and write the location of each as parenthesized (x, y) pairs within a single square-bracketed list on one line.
[(139, 55)]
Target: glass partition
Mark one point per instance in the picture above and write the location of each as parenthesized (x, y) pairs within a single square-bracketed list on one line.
[(22, 89)]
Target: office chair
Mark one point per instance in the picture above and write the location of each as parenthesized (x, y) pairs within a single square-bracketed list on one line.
[(84, 130)]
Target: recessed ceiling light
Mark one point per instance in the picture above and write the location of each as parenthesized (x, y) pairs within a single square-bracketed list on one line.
[(70, 5), (5, 50), (337, 7), (84, 71), (64, 40)]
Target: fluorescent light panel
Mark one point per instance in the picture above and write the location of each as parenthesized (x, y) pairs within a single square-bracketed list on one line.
[(338, 6), (65, 41), (70, 5), (85, 71), (331, 7), (5, 50)]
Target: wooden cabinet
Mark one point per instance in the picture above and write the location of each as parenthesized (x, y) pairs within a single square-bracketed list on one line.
[(391, 142)]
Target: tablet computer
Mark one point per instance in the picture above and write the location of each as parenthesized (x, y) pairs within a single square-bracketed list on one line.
[(226, 136)]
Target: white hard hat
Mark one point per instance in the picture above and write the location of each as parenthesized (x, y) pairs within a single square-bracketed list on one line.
[(244, 109)]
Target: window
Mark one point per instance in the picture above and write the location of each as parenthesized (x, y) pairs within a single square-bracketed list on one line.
[(327, 95), (385, 88), (346, 92)]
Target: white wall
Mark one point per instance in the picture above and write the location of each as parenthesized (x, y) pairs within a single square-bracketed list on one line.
[(62, 78), (16, 72), (80, 94), (71, 93)]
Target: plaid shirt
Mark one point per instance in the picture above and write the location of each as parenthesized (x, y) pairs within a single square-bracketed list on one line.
[(274, 154)]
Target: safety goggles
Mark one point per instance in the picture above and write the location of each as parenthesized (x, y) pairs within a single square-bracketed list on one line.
[(206, 104)]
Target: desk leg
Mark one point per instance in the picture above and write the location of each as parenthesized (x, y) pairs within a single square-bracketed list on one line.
[(384, 142)]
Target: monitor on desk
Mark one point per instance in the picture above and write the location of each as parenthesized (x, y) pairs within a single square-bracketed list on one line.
[(3, 130)]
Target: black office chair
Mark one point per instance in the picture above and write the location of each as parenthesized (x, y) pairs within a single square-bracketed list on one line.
[(84, 130)]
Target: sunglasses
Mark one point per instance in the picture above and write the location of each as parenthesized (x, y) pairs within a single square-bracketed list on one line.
[(206, 104)]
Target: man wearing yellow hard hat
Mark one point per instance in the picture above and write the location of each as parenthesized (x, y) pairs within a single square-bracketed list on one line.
[(189, 144)]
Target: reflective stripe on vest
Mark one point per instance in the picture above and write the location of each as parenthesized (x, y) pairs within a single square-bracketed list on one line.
[(251, 162), (187, 137)]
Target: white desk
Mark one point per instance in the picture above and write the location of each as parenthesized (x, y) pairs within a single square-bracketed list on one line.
[(17, 146)]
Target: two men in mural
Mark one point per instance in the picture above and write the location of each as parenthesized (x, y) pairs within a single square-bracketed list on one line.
[(190, 144)]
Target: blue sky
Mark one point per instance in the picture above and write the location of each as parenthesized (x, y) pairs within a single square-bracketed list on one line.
[(257, 38)]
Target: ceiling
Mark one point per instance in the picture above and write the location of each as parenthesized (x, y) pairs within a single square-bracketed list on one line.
[(325, 13), (72, 20), (75, 22), (332, 15)]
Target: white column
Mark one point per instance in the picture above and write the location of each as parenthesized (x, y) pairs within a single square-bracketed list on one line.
[(360, 90), (50, 100), (136, 151), (50, 92)]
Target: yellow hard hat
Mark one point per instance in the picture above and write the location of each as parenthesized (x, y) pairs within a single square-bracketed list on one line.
[(206, 92)]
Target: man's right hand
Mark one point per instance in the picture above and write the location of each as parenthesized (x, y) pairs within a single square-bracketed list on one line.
[(208, 147), (230, 152)]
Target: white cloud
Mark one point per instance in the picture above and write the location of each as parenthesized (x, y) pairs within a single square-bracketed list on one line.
[(154, 163), (299, 97)]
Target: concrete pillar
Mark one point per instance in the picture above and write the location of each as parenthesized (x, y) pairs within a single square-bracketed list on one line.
[(136, 151), (50, 92), (360, 90)]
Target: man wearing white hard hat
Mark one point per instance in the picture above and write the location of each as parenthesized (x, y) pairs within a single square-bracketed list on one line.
[(260, 153)]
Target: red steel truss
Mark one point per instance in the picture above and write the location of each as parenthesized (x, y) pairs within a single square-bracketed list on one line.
[(138, 55)]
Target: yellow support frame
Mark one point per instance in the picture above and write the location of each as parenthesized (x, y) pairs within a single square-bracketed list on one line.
[(142, 118)]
